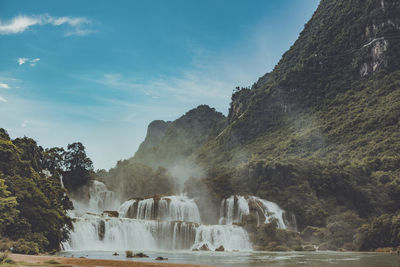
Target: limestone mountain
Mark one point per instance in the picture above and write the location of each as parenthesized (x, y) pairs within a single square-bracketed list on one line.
[(320, 134), (167, 144), (166, 156)]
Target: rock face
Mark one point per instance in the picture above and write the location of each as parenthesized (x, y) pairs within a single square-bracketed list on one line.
[(155, 132), (239, 104), (380, 36)]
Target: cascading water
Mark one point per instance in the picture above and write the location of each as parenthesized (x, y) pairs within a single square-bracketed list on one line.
[(158, 223), (100, 199), (235, 207), (170, 208), (231, 237)]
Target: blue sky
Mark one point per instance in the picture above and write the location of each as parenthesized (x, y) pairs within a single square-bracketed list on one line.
[(100, 71)]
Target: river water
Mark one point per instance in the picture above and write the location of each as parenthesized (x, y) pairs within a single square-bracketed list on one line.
[(253, 259)]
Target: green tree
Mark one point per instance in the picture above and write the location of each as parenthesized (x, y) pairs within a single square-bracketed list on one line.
[(8, 211), (78, 167), (53, 159)]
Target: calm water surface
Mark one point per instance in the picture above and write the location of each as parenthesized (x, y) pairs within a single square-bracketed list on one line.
[(252, 259)]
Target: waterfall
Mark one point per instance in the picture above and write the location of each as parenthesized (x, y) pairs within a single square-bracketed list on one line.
[(117, 234), (235, 207), (231, 237), (168, 208), (100, 199), (162, 222)]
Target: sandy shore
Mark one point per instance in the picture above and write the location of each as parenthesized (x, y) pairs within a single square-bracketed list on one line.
[(92, 262)]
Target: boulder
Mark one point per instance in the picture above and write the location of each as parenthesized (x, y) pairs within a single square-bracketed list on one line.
[(204, 247), (111, 213), (161, 259), (140, 255), (220, 248)]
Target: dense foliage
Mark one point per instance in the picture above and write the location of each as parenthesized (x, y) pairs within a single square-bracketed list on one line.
[(33, 202)]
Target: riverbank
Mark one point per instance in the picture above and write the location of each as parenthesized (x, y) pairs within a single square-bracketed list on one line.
[(45, 261)]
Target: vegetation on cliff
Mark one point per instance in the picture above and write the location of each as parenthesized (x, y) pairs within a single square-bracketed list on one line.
[(33, 202), (319, 135)]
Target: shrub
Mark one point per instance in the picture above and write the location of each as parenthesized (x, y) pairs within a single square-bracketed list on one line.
[(52, 262), (3, 257), (129, 254), (25, 247)]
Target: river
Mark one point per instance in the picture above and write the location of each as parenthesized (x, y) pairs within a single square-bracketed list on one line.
[(256, 259)]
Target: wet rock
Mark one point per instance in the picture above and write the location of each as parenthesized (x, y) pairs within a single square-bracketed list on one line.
[(195, 249), (204, 248), (161, 259), (102, 229), (220, 248), (111, 213), (115, 254), (140, 255)]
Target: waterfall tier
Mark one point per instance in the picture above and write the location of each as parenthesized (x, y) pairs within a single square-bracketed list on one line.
[(231, 237), (235, 207), (99, 199), (96, 232), (169, 208)]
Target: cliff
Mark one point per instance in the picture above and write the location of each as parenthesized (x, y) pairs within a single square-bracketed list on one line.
[(319, 135)]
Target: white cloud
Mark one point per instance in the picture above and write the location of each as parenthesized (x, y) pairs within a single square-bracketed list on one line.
[(22, 60), (2, 99), (18, 24), (79, 32), (21, 23), (4, 85)]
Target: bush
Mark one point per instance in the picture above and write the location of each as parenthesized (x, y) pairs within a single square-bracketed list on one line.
[(3, 257), (9, 261), (25, 247), (51, 262), (383, 231), (129, 254)]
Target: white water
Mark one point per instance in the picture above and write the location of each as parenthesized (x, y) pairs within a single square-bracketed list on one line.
[(231, 237), (100, 199), (170, 208), (235, 207), (164, 223), (124, 233)]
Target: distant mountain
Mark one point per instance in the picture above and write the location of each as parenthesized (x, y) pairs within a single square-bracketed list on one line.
[(172, 144), (319, 135)]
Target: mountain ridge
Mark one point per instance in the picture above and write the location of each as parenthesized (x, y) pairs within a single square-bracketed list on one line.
[(319, 135)]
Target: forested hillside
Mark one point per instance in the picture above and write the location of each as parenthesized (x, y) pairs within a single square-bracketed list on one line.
[(319, 135), (33, 202)]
